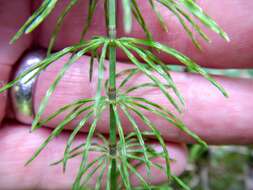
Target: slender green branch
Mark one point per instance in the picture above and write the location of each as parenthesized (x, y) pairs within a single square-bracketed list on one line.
[(112, 91)]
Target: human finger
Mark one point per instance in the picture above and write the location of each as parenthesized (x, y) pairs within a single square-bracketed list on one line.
[(17, 145), (9, 25), (4, 76), (9, 54), (218, 120), (236, 20)]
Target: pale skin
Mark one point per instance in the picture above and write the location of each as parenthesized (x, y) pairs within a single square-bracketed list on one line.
[(216, 119)]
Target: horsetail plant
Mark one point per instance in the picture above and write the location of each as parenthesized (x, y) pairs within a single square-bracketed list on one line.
[(118, 152)]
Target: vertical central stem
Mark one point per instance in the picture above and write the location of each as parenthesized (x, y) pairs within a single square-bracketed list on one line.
[(112, 90)]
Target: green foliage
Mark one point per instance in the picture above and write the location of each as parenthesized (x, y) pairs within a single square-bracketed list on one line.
[(117, 153), (220, 168)]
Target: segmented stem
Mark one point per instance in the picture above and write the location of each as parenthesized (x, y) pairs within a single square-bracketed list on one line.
[(112, 91)]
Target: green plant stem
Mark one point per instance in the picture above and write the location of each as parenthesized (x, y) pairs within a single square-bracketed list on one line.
[(112, 91)]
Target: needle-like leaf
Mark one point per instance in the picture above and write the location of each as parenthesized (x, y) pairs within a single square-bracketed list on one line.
[(143, 85), (182, 58), (203, 17), (137, 14), (86, 147), (58, 130), (131, 73), (157, 135), (126, 4), (58, 25), (139, 136), (91, 173), (53, 86), (172, 8), (165, 69), (148, 57), (138, 175), (123, 151), (37, 68), (158, 15), (108, 181), (91, 10), (72, 136), (101, 175), (175, 121), (100, 77), (90, 165), (149, 74), (94, 54), (42, 12), (180, 183), (75, 104)]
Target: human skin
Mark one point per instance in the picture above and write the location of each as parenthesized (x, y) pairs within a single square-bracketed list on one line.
[(216, 119)]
